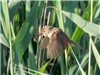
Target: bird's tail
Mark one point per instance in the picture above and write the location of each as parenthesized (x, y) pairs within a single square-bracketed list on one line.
[(75, 44)]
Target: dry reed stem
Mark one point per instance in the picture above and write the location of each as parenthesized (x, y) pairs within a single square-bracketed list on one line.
[(89, 65)]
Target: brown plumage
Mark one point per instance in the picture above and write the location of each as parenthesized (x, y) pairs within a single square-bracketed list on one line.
[(56, 41)]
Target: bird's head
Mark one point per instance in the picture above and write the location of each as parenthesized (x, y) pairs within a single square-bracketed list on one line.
[(46, 31)]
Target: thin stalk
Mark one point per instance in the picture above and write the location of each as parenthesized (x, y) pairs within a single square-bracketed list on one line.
[(45, 51), (8, 66), (89, 65), (37, 52), (52, 65), (82, 71), (48, 18), (44, 23), (45, 11), (40, 39), (11, 57), (66, 61), (11, 51)]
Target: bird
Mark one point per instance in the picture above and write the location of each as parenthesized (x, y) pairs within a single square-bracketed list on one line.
[(56, 41)]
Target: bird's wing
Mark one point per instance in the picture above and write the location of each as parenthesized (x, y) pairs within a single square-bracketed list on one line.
[(57, 44), (44, 43)]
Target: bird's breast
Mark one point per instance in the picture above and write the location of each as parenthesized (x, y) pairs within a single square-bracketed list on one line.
[(49, 35)]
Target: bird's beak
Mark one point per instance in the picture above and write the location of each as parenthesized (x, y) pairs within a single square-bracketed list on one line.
[(39, 34)]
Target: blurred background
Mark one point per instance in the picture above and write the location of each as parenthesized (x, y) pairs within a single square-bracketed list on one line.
[(22, 20)]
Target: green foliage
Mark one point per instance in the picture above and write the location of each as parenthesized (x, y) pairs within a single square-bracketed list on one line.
[(20, 23)]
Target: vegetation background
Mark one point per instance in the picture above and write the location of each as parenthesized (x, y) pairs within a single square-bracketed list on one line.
[(22, 20)]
